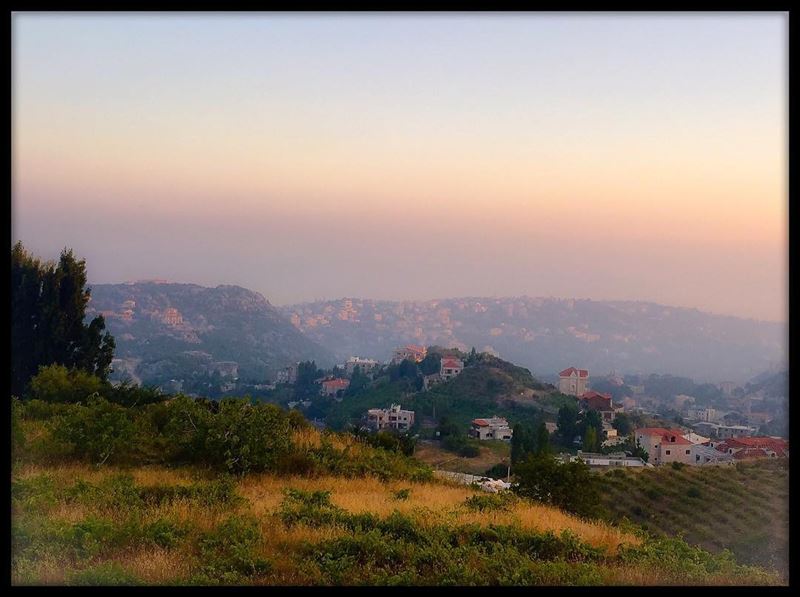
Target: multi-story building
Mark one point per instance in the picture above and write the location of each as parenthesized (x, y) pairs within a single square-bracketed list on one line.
[(707, 415), (288, 374), (745, 448), (715, 430), (664, 446), (411, 352), (226, 368), (390, 418), (366, 366), (491, 428), (172, 316), (573, 381), (450, 367)]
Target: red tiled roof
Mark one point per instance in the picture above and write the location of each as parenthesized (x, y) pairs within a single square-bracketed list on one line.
[(665, 434), (452, 363), (336, 383), (480, 422), (592, 394), (571, 370)]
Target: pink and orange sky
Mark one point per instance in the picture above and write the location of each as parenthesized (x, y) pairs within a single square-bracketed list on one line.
[(403, 156)]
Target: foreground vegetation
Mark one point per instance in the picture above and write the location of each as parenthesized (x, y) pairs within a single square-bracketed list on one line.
[(351, 513), (80, 524)]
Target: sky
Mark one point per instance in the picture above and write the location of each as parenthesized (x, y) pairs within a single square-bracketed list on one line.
[(410, 156)]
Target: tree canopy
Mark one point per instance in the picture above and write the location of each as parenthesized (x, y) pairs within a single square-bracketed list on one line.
[(48, 309)]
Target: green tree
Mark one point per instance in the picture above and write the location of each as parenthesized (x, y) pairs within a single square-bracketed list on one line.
[(358, 382), (523, 442), (568, 423), (622, 424), (307, 374), (56, 383), (431, 363), (48, 305), (542, 440), (590, 442), (570, 486)]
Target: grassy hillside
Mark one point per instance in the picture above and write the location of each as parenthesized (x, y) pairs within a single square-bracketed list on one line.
[(744, 508), (82, 525), (356, 515)]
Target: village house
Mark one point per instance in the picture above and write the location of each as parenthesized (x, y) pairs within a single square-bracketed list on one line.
[(411, 352), (715, 430), (706, 455), (492, 428), (226, 368), (366, 366), (747, 448), (573, 381), (428, 381), (664, 446), (600, 402), (288, 374), (450, 367), (332, 387), (390, 418), (707, 415), (613, 459), (172, 317)]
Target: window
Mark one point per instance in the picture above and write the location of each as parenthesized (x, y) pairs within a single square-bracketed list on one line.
[(688, 451), (667, 452)]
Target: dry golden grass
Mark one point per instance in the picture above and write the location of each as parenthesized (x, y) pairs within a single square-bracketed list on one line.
[(156, 565), (430, 502)]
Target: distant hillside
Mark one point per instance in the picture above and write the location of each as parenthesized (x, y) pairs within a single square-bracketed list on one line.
[(165, 331), (548, 334)]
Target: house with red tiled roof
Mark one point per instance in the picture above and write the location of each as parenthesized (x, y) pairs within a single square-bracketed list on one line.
[(601, 402), (332, 387), (450, 367), (664, 446), (573, 381), (746, 448)]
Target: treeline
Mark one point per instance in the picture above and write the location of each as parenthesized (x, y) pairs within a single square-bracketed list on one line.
[(48, 304)]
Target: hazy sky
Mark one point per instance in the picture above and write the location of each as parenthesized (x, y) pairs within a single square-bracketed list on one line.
[(411, 156)]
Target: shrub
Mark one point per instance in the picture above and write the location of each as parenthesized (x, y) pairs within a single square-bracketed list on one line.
[(228, 552), (678, 466), (490, 501), (401, 494), (106, 574), (693, 492), (96, 431), (56, 383), (469, 451)]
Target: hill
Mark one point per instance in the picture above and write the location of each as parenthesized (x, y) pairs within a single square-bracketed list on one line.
[(487, 386), (177, 331), (235, 493), (548, 334), (743, 508)]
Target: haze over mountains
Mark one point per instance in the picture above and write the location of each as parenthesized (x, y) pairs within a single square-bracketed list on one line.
[(165, 329), (550, 334), (171, 330)]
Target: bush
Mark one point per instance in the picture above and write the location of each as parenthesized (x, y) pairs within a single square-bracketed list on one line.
[(678, 466), (491, 501), (401, 494), (693, 492), (56, 383), (106, 574), (228, 553), (95, 431), (570, 486)]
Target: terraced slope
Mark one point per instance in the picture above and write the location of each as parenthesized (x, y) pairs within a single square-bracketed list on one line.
[(743, 508)]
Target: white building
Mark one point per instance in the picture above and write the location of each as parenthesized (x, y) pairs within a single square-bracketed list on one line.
[(492, 428), (613, 459), (366, 366), (573, 381), (450, 367), (390, 418)]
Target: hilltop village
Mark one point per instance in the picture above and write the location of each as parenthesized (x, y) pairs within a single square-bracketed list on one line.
[(582, 422)]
